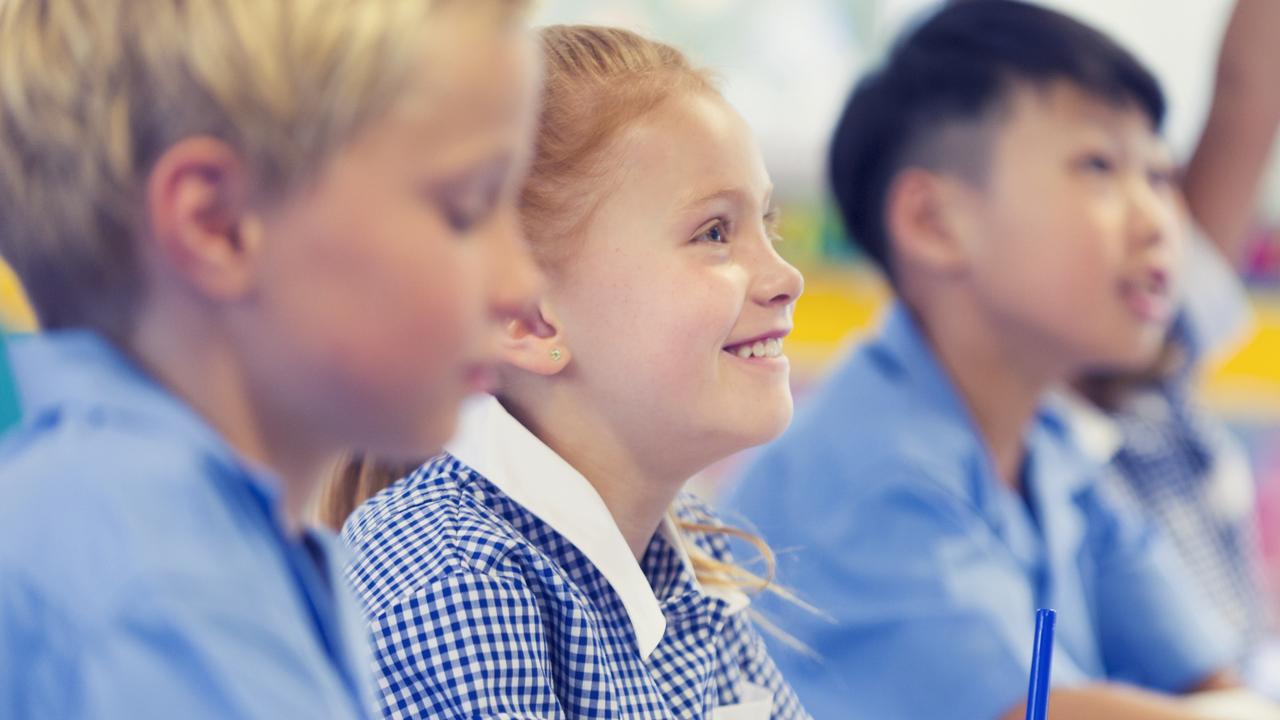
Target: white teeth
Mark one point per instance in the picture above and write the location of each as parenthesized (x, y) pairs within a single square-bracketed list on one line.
[(771, 348)]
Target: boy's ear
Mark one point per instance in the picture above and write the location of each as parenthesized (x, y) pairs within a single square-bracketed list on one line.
[(197, 211), (927, 216), (535, 342)]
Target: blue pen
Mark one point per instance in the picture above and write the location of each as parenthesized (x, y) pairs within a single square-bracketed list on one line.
[(1041, 659)]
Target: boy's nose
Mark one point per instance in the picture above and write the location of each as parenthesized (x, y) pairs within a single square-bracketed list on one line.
[(1153, 214)]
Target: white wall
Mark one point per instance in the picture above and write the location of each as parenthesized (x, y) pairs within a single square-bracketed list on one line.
[(788, 64)]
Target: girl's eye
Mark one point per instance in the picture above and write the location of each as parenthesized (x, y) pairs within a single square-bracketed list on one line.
[(713, 233), (771, 222)]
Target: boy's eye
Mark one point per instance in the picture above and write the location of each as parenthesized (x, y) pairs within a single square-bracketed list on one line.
[(464, 210), (1098, 163), (714, 232), (470, 199), (1161, 177), (462, 219)]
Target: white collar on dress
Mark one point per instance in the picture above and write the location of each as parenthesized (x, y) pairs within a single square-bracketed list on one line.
[(497, 446)]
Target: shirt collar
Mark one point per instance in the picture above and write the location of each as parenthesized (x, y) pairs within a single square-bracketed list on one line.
[(1091, 430), (498, 447), (942, 432), (80, 371), (901, 345)]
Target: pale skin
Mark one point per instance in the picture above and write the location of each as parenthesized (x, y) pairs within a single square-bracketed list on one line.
[(359, 310), (1058, 259), (675, 265)]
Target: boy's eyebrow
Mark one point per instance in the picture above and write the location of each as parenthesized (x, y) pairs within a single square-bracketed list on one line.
[(733, 194)]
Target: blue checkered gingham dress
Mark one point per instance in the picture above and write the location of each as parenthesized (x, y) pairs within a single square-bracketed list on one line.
[(1165, 467), (481, 610)]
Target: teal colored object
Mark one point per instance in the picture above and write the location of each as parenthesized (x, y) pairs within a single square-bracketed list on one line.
[(9, 409)]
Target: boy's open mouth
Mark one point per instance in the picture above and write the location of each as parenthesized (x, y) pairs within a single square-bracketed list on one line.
[(1149, 295)]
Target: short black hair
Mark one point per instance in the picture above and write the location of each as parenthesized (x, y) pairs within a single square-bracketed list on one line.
[(953, 70)]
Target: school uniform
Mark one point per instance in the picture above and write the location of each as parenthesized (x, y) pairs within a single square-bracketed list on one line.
[(145, 571), (1166, 457), (894, 522), (499, 586)]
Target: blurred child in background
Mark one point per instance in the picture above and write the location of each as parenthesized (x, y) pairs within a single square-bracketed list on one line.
[(256, 234), (1004, 169), (1165, 456)]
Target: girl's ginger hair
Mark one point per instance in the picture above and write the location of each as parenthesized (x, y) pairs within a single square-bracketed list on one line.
[(598, 81)]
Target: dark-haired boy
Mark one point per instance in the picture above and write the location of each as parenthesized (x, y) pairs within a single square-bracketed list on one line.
[(1004, 169)]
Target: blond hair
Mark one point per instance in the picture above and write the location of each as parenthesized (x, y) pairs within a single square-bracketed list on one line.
[(598, 81), (92, 92)]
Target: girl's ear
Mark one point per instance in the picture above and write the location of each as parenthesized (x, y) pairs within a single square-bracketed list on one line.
[(536, 342)]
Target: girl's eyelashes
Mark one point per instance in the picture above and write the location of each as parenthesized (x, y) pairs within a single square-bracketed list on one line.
[(715, 232), (771, 220)]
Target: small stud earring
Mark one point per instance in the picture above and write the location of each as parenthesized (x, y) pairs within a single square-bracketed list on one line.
[(556, 354)]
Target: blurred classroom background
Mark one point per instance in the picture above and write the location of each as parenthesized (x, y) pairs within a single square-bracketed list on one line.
[(787, 66)]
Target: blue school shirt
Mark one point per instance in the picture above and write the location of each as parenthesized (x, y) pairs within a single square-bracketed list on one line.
[(499, 586), (891, 520), (144, 568)]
